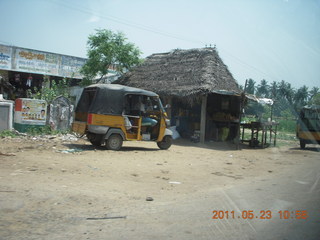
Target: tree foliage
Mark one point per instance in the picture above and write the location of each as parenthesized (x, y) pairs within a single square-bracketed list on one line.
[(263, 88), (314, 92), (315, 99), (287, 100), (59, 88), (107, 49), (250, 86)]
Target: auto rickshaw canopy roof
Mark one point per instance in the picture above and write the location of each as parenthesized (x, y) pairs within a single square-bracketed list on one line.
[(311, 107), (107, 98)]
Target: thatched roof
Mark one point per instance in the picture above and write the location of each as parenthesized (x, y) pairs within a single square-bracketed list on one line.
[(182, 73)]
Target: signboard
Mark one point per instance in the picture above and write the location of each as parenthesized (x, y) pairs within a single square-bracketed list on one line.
[(36, 62), (5, 57), (70, 66), (33, 61)]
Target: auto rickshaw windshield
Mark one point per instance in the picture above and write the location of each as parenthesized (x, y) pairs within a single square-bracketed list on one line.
[(156, 104)]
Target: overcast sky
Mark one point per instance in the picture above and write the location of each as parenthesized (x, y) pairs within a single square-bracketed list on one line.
[(259, 39)]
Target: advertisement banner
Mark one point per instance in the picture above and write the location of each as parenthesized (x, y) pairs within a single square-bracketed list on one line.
[(36, 62), (30, 111), (5, 57), (33, 61), (70, 66)]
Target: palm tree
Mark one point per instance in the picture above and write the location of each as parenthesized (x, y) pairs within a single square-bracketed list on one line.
[(262, 89), (250, 86), (289, 93), (282, 88), (285, 91), (273, 90), (301, 97), (315, 99), (314, 91), (282, 93)]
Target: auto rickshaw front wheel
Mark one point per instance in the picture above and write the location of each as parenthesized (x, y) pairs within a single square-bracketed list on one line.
[(114, 142), (302, 144), (165, 143)]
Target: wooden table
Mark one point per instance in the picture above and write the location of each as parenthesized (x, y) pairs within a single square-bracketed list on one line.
[(262, 129)]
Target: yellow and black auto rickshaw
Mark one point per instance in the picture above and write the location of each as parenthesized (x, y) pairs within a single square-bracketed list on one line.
[(110, 114), (308, 127)]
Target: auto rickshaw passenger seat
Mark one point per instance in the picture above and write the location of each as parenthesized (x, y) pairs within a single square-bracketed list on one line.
[(148, 122)]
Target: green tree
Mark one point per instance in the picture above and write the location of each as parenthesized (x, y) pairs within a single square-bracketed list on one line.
[(285, 90), (58, 88), (301, 97), (106, 49), (313, 92), (273, 90), (282, 93), (290, 93), (315, 99), (250, 86), (262, 89)]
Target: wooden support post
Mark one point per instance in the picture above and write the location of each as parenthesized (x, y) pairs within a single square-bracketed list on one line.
[(169, 110), (203, 118), (242, 100), (275, 135)]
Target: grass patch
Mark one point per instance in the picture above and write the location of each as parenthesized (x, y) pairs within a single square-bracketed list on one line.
[(34, 131), (45, 130), (286, 136), (8, 133)]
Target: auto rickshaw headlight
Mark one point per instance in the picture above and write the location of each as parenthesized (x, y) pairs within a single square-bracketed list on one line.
[(168, 123)]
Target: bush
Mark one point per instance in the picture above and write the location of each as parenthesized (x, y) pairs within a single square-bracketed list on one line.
[(287, 125)]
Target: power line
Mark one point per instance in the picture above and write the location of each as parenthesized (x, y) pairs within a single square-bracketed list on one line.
[(125, 22), (246, 64), (79, 8)]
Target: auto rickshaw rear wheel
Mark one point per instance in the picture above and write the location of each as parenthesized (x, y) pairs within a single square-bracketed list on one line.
[(95, 139), (165, 143), (114, 142)]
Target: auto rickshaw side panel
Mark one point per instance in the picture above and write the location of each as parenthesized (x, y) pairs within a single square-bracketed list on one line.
[(309, 136), (105, 120), (116, 121), (79, 127), (308, 125)]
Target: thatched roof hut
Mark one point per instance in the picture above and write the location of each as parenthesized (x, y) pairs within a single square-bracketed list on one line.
[(191, 75), (182, 73)]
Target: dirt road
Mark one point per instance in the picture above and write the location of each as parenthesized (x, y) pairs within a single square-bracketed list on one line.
[(59, 188)]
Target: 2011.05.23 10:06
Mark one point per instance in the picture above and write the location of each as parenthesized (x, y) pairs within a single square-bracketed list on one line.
[(262, 214)]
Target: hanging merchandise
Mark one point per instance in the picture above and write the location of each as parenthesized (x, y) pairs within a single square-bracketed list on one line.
[(29, 81), (17, 78)]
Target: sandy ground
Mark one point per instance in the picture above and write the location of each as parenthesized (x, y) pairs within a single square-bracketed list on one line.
[(59, 188)]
